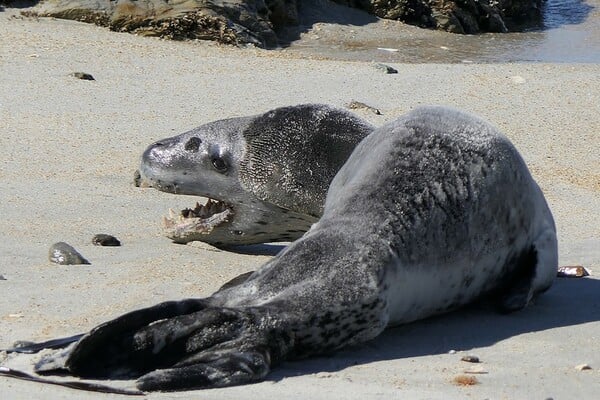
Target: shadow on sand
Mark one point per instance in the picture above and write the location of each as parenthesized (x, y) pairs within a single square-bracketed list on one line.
[(569, 302)]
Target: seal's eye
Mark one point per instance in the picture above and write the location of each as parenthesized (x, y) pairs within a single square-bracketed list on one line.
[(219, 164)]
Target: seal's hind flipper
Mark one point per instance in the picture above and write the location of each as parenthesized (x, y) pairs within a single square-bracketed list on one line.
[(218, 369), (185, 345), (104, 347), (31, 348)]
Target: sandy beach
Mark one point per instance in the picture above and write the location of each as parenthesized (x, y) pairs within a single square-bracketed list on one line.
[(70, 148)]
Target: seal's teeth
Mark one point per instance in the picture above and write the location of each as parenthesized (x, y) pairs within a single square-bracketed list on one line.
[(167, 223)]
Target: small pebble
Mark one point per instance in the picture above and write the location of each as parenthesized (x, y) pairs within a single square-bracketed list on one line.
[(354, 105), (572, 271), (137, 178), (385, 68), (2, 278), (322, 375), (583, 367), (471, 359), (82, 75), (452, 352), (103, 239), (64, 254)]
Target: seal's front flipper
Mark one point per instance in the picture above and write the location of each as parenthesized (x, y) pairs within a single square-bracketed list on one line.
[(517, 292), (238, 280), (534, 271)]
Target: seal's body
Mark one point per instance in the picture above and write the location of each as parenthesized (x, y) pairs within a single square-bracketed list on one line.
[(430, 212)]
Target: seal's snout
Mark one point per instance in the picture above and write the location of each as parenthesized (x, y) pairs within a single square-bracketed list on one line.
[(156, 152)]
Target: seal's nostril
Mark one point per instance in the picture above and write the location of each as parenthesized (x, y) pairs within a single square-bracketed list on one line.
[(193, 144)]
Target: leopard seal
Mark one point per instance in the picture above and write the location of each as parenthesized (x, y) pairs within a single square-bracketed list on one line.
[(430, 212), (265, 176)]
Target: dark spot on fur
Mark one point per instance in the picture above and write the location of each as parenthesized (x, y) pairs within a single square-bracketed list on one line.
[(467, 281)]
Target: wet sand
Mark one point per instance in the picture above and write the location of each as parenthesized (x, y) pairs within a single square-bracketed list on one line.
[(571, 34), (69, 149)]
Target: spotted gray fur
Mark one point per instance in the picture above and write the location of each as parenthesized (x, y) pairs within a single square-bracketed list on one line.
[(430, 212), (270, 172)]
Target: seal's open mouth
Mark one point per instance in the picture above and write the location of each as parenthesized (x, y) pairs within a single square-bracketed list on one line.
[(200, 219)]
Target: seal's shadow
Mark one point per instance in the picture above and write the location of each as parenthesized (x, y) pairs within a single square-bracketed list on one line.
[(263, 249), (569, 302)]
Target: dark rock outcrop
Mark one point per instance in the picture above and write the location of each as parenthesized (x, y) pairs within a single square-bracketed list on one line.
[(230, 22), (258, 21), (458, 16)]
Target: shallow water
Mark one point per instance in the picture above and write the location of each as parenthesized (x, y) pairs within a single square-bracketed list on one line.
[(571, 33)]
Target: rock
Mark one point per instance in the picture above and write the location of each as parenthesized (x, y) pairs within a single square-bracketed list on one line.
[(2, 278), (572, 271), (385, 68), (64, 254), (470, 358), (230, 22), (583, 367), (103, 239), (257, 22), (458, 16), (83, 76), (355, 105)]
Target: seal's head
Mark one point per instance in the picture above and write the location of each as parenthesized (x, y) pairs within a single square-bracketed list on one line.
[(265, 176)]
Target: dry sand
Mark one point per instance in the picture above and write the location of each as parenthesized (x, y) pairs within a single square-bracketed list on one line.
[(69, 148)]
